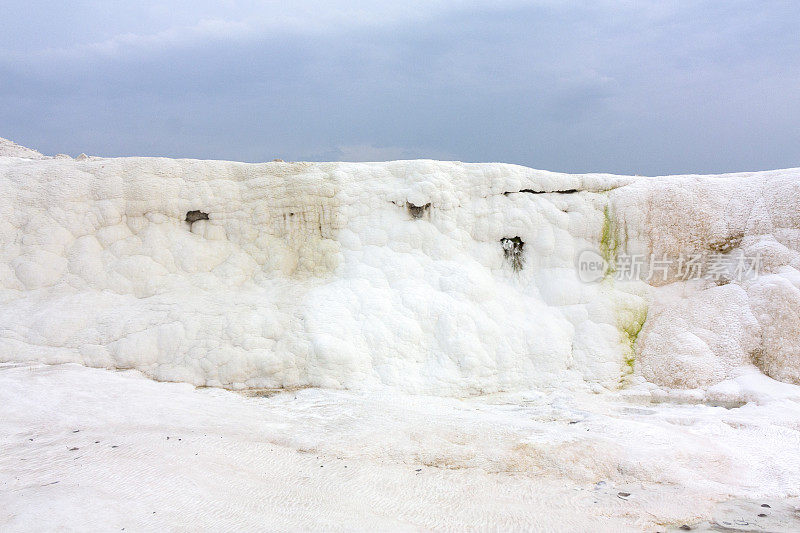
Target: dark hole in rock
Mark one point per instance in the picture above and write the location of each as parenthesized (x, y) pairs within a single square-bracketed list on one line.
[(531, 191), (417, 211), (727, 244), (512, 250), (194, 216)]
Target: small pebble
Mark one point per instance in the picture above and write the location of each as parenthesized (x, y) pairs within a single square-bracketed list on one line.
[(685, 527), (623, 494)]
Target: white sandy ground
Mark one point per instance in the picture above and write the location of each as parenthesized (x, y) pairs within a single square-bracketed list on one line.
[(95, 450)]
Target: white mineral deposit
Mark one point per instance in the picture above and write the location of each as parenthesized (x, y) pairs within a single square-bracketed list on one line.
[(405, 345)]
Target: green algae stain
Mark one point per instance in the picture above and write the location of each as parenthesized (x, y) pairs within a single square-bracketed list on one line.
[(630, 323), (609, 240), (630, 315)]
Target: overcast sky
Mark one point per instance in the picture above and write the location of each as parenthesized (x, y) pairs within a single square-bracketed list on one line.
[(629, 87)]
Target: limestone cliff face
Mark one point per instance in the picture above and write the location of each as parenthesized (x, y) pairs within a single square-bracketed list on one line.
[(743, 233), (398, 273)]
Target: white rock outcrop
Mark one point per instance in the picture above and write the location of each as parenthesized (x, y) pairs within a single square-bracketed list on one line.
[(365, 274)]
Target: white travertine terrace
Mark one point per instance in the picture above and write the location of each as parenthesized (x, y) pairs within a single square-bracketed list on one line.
[(341, 275)]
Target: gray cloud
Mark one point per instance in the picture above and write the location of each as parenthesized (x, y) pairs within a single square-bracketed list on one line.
[(651, 88)]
